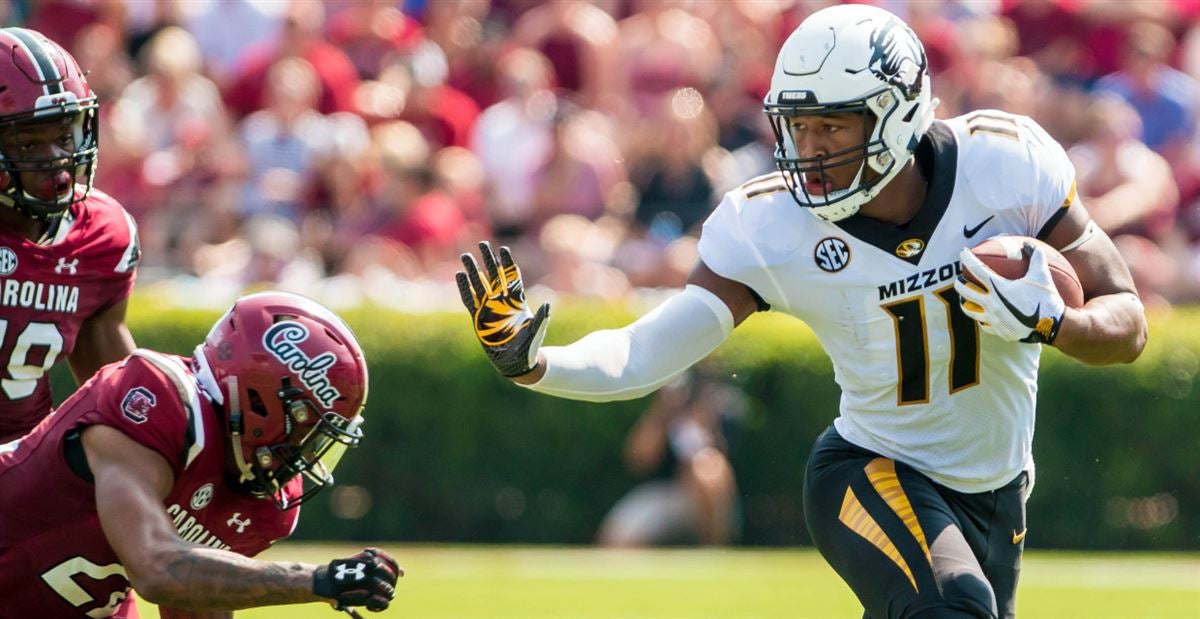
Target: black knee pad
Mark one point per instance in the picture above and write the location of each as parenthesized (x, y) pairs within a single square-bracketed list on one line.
[(970, 594), (963, 597)]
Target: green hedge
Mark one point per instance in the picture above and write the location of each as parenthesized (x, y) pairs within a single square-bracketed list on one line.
[(455, 453)]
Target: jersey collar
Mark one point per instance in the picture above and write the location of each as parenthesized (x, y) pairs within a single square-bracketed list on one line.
[(937, 157)]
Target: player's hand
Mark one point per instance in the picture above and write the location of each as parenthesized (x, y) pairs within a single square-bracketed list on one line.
[(366, 579), (509, 332), (1028, 309)]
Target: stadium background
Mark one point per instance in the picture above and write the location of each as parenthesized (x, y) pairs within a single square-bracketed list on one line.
[(351, 150)]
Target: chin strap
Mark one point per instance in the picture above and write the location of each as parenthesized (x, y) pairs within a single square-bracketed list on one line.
[(235, 431)]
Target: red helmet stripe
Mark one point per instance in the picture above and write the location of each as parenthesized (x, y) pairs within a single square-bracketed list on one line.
[(40, 56)]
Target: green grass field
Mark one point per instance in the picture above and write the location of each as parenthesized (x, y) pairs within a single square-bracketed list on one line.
[(540, 583)]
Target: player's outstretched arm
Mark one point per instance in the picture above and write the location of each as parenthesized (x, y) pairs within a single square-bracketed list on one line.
[(610, 364), (131, 480)]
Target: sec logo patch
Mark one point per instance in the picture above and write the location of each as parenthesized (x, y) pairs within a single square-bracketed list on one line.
[(831, 254), (202, 496), (8, 261), (137, 403)]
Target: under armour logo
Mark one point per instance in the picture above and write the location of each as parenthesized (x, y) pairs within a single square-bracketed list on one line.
[(240, 524), (359, 570), (67, 267)]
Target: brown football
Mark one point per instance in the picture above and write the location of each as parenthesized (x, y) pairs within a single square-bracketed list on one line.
[(1008, 257)]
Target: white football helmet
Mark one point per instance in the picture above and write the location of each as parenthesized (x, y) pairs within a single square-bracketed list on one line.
[(850, 58)]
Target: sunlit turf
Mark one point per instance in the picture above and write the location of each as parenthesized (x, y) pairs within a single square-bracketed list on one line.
[(460, 582)]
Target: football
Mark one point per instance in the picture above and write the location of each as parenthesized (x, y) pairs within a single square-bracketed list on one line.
[(1009, 257)]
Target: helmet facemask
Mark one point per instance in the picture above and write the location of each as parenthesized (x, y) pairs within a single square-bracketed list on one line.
[(877, 164), (857, 59), (312, 444)]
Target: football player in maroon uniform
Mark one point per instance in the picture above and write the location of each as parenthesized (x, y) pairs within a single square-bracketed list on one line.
[(164, 474), (67, 251)]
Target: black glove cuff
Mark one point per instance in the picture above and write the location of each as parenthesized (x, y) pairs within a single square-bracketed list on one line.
[(1045, 332), (513, 366), (321, 585)]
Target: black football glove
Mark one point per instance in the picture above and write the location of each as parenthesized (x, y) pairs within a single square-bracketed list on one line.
[(509, 332), (366, 579)]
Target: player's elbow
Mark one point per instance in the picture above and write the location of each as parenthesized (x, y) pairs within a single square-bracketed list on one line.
[(1134, 346), (1118, 351), (1134, 340)]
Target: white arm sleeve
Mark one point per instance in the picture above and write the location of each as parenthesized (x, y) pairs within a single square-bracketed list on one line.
[(622, 364)]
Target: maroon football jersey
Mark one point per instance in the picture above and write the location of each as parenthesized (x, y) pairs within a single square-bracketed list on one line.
[(54, 558), (48, 291)]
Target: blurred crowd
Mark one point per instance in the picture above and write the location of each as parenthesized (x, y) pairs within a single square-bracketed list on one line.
[(352, 149)]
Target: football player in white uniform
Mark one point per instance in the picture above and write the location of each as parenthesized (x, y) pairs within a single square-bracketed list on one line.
[(916, 494)]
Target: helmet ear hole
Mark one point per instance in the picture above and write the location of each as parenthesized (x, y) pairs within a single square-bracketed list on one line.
[(256, 403)]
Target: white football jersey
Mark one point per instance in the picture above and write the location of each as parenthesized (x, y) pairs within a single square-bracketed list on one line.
[(921, 383)]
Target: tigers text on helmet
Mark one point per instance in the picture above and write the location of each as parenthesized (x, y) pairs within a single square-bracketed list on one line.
[(292, 381), (40, 85), (850, 58)]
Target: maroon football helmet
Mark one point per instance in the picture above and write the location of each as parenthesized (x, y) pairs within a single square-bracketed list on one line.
[(41, 83), (291, 380)]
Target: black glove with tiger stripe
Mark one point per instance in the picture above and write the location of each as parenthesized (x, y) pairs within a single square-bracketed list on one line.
[(509, 332)]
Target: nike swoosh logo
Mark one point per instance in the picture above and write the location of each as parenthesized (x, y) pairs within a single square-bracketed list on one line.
[(1029, 320), (970, 232), (1017, 537)]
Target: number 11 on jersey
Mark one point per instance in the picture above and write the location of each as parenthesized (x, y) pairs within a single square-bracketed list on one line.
[(912, 346)]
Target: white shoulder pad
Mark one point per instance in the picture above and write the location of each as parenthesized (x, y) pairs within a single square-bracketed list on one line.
[(1009, 162), (754, 228)]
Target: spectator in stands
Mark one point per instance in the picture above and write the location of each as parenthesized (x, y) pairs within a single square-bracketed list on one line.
[(267, 251), (173, 98), (460, 173), (514, 138), (681, 444), (1167, 99), (443, 113), (283, 141), (576, 256), (414, 211), (226, 30), (172, 135), (584, 172), (1129, 191), (370, 30), (675, 191), (1054, 34), (664, 48), (101, 47), (580, 40), (62, 20), (301, 35)]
